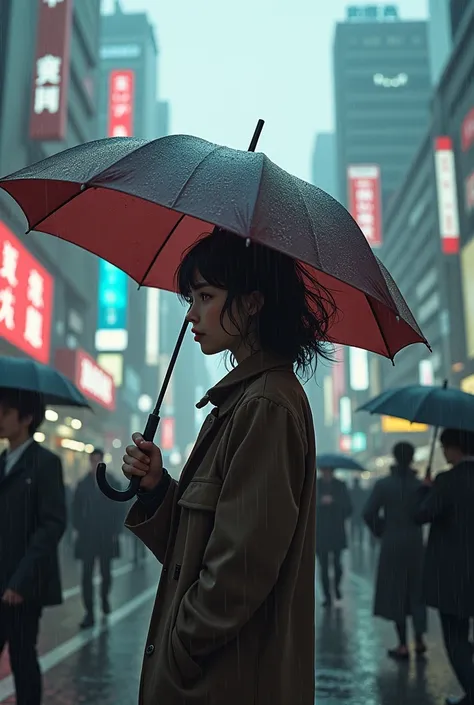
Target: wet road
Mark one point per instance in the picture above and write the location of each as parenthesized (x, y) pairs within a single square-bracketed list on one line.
[(101, 666)]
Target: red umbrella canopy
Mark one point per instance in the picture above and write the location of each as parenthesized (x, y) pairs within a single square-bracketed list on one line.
[(140, 204)]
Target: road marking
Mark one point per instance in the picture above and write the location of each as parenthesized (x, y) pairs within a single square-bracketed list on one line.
[(71, 646), (116, 573)]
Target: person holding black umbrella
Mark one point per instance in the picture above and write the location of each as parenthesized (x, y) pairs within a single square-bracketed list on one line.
[(32, 521), (389, 516), (448, 583)]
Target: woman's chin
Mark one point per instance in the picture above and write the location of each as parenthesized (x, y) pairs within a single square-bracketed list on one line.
[(210, 348)]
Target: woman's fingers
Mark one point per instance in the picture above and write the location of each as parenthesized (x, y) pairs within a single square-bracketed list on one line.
[(132, 466), (137, 454)]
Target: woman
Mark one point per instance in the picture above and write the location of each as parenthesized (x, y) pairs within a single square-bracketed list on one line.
[(233, 620), (399, 576), (334, 507)]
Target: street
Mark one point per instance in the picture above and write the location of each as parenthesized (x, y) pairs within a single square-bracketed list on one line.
[(101, 666)]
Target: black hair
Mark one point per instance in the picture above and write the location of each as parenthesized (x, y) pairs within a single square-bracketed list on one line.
[(297, 311), (98, 451), (27, 404), (403, 453), (456, 438)]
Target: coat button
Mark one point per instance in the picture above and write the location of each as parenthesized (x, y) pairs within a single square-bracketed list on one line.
[(149, 649)]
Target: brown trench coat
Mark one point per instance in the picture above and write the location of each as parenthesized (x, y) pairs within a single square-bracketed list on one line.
[(233, 621)]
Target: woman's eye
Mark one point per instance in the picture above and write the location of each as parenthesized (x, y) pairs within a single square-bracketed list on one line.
[(205, 297)]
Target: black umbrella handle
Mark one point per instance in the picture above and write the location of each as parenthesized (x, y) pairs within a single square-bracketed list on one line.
[(132, 489)]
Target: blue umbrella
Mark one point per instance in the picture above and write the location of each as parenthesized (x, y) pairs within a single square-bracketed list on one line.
[(338, 462), (31, 376), (434, 406)]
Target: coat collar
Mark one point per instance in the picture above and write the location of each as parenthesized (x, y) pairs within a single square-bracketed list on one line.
[(228, 391), (26, 458)]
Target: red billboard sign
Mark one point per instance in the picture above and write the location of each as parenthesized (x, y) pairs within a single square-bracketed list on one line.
[(26, 298), (92, 380), (121, 96), (467, 131), (448, 211), (48, 119), (365, 200)]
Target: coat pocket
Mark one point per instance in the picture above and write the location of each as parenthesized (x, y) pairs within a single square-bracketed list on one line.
[(202, 495)]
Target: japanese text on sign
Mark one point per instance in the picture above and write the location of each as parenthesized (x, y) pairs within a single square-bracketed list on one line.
[(447, 195), (25, 298), (364, 197), (51, 70), (121, 96)]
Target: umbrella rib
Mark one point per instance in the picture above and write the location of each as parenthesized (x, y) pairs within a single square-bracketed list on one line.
[(384, 339), (61, 205), (160, 250)]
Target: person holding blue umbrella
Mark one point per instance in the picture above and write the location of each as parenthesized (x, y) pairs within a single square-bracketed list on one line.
[(32, 514)]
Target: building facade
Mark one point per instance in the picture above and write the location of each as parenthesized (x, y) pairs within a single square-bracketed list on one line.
[(382, 89), (455, 114), (49, 56)]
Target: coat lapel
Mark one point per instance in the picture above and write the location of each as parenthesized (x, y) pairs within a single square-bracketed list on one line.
[(25, 461)]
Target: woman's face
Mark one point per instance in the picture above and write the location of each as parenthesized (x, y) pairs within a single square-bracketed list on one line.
[(204, 314)]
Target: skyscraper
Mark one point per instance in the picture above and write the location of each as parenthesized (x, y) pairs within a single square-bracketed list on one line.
[(382, 92)]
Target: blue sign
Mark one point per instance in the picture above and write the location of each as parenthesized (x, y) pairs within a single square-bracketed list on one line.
[(372, 13), (113, 297)]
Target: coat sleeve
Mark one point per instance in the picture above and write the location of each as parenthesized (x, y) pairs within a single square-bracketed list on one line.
[(255, 521), (372, 511), (433, 502), (153, 528), (51, 522)]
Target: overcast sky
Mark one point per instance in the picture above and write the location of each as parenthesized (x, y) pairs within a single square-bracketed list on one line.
[(223, 65)]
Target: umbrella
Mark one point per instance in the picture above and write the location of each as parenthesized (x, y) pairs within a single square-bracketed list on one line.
[(436, 406), (105, 195), (338, 462), (31, 376)]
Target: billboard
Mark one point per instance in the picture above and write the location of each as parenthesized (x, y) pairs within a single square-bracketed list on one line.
[(48, 120), (26, 298), (365, 203), (448, 212), (112, 333), (93, 381), (120, 108), (390, 424)]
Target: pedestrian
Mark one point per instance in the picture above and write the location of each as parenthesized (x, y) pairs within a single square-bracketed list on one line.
[(98, 524), (333, 509), (448, 583), (358, 500), (389, 514), (32, 522), (233, 621)]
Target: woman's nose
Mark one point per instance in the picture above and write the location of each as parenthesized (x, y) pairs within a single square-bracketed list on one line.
[(191, 315)]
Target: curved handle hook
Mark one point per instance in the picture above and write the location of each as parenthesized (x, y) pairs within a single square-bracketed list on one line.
[(132, 489)]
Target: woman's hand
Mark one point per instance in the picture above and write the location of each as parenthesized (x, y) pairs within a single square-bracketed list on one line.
[(143, 459)]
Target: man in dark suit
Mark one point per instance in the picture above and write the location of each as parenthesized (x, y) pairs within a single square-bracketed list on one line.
[(333, 508), (449, 561), (98, 523), (32, 521)]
